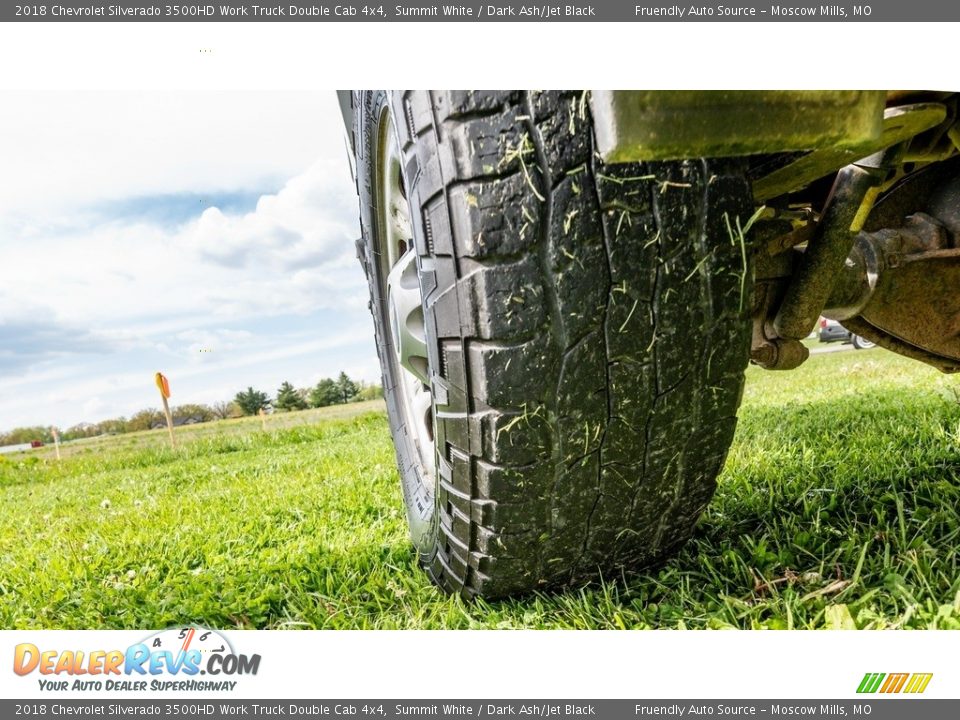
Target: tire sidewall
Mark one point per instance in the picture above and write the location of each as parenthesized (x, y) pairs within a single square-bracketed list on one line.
[(418, 493)]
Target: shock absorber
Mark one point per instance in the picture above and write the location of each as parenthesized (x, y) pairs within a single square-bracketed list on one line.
[(845, 212)]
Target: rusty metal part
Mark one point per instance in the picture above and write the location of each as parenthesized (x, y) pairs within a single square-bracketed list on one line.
[(898, 287), (908, 300), (949, 254), (921, 238), (854, 286), (899, 124), (778, 354), (670, 124), (826, 254), (912, 306), (772, 353), (788, 241), (944, 203), (812, 280), (912, 193), (864, 329), (918, 303)]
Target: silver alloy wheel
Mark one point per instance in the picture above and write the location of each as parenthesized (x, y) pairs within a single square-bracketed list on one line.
[(861, 343), (404, 300)]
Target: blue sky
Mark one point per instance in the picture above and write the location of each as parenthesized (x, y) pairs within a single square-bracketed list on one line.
[(205, 235)]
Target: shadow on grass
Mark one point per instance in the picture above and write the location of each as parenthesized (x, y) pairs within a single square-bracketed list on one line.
[(850, 502)]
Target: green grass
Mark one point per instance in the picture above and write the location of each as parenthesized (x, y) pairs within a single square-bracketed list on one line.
[(838, 507)]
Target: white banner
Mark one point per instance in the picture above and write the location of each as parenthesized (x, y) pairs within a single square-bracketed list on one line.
[(471, 664)]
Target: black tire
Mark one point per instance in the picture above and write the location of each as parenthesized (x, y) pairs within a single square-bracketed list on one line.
[(587, 329)]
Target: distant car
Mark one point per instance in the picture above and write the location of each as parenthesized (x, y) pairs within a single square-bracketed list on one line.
[(832, 331)]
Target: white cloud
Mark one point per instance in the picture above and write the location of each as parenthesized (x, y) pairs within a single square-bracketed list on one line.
[(64, 150), (306, 224), (293, 254), (92, 406)]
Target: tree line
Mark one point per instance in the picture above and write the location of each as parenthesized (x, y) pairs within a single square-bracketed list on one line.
[(329, 391)]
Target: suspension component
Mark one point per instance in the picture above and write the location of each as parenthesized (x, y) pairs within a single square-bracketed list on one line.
[(776, 344), (847, 207), (899, 289)]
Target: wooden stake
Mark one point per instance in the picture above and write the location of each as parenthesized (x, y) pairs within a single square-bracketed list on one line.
[(263, 419), (164, 386), (56, 442), (166, 411)]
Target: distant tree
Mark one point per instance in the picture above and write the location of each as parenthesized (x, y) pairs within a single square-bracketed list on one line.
[(251, 401), (82, 430), (288, 398), (19, 436), (324, 393), (198, 412), (225, 409), (369, 391), (114, 426), (346, 388), (144, 420)]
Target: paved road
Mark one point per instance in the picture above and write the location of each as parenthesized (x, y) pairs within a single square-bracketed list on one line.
[(831, 347)]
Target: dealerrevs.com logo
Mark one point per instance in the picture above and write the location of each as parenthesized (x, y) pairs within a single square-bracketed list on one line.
[(170, 660)]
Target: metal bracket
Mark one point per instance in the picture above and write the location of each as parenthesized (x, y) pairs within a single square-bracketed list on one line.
[(899, 124)]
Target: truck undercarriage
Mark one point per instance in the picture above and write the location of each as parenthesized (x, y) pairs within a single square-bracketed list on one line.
[(858, 196)]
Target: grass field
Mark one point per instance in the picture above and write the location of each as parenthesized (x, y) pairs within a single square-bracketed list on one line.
[(838, 508)]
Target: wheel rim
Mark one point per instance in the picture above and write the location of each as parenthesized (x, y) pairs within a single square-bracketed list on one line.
[(403, 299)]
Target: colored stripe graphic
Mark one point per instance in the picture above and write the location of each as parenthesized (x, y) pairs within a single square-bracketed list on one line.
[(894, 683), (918, 682), (870, 682)]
